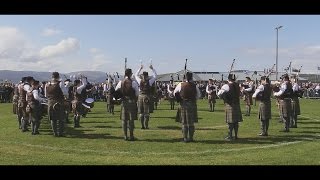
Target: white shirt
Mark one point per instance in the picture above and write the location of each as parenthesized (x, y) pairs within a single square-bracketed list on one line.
[(151, 81), (62, 87), (224, 89), (65, 89), (283, 87), (295, 87), (134, 86), (83, 85), (259, 89), (168, 89), (250, 86), (36, 96), (178, 89), (317, 87), (27, 87)]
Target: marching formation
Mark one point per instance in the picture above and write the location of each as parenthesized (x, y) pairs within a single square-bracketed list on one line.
[(139, 94)]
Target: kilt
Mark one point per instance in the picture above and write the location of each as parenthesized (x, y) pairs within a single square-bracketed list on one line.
[(77, 107), (151, 104), (35, 111), (233, 113), (188, 112), (129, 110), (248, 99), (285, 107), (110, 99), (15, 108), (22, 109), (295, 106), (55, 114), (211, 99), (264, 110), (67, 105), (143, 104)]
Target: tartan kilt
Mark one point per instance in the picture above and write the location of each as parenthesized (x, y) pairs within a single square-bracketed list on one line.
[(295, 106), (77, 107), (110, 99), (15, 108), (188, 112), (143, 104), (128, 110), (67, 105), (35, 111), (264, 110), (55, 114), (211, 99), (233, 113), (151, 104), (22, 108), (285, 108), (248, 99)]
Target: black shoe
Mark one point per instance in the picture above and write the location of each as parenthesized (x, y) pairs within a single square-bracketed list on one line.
[(126, 138), (294, 126), (228, 138), (143, 128), (236, 137), (147, 127), (185, 140)]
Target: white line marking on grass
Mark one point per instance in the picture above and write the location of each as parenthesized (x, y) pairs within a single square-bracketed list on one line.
[(150, 153), (309, 118)]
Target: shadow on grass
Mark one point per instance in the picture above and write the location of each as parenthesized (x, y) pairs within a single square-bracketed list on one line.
[(168, 117), (308, 122), (169, 127), (98, 122), (94, 117), (79, 133), (102, 126), (175, 140), (310, 127)]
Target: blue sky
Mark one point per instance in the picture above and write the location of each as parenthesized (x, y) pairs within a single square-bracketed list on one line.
[(67, 43)]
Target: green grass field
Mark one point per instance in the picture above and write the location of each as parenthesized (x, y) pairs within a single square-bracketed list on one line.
[(100, 140)]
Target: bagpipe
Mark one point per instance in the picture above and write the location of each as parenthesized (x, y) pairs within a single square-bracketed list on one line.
[(177, 95)]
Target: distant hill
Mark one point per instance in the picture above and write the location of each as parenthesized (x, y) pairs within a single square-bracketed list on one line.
[(15, 76)]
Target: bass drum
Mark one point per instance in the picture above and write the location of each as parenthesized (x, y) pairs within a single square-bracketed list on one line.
[(88, 103), (89, 100)]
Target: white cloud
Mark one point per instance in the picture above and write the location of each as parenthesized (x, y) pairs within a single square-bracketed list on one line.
[(15, 46), (94, 50), (64, 47), (50, 32)]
